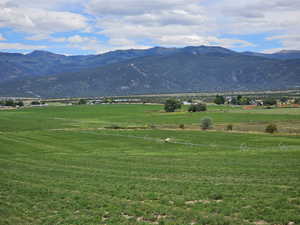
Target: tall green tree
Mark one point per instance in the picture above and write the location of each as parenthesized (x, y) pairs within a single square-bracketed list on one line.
[(172, 104), (219, 100)]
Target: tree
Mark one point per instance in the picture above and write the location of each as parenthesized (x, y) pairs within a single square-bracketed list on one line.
[(219, 100), (234, 101), (239, 97), (240, 100), (206, 123), (284, 99), (35, 103), (200, 107), (82, 102), (245, 101), (20, 104), (172, 104), (297, 101), (270, 101), (10, 102)]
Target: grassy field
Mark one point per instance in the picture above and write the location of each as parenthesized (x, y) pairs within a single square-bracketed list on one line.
[(59, 165)]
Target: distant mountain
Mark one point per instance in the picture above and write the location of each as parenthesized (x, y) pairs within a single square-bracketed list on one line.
[(43, 63), (282, 55), (162, 70)]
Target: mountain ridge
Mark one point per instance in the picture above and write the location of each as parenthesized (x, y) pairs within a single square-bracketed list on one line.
[(191, 69)]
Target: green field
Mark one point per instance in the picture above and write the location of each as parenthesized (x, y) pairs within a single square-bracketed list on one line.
[(62, 165)]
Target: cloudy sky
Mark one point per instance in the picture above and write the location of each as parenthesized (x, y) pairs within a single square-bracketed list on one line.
[(97, 26)]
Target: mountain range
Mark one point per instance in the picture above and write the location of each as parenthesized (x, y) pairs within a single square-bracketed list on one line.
[(150, 71)]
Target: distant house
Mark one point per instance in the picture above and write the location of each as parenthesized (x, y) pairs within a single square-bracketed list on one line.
[(186, 103), (228, 99), (259, 102)]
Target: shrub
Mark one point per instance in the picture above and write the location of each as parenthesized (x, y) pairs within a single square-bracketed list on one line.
[(113, 126), (229, 127), (181, 126), (171, 105), (206, 123), (216, 196), (271, 128), (197, 107), (151, 126)]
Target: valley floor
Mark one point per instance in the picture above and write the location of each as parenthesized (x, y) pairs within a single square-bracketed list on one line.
[(67, 165)]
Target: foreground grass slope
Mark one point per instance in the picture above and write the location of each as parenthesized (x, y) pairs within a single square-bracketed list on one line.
[(50, 174)]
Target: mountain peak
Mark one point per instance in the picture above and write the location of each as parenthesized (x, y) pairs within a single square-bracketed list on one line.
[(203, 49), (41, 53)]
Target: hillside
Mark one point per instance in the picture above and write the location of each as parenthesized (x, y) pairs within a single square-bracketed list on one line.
[(43, 63), (192, 70)]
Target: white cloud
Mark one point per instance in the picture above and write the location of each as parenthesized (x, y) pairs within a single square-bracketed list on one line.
[(19, 46), (168, 23), (288, 41), (138, 7), (258, 16), (145, 23), (41, 4), (40, 22), (81, 42)]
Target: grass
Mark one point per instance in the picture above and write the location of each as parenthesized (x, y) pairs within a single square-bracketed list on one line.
[(50, 174)]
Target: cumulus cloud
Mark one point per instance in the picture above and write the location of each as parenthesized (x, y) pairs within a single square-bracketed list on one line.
[(19, 46), (39, 22), (257, 16), (168, 23), (138, 7), (146, 23)]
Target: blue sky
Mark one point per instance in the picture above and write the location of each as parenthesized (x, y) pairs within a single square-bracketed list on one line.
[(74, 27)]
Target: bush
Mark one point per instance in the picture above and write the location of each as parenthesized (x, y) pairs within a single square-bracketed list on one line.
[(181, 126), (206, 123), (271, 128), (151, 126), (171, 105), (197, 107), (229, 127), (113, 126)]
